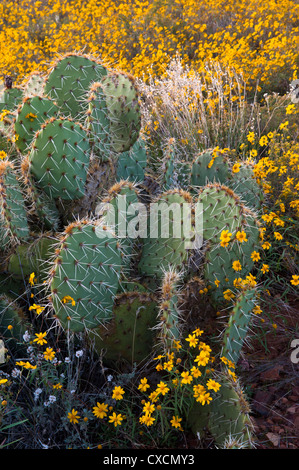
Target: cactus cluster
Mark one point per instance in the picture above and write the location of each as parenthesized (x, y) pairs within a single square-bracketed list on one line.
[(75, 175)]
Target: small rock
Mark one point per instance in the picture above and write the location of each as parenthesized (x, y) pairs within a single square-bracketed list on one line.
[(296, 422), (260, 402), (271, 374), (292, 409), (274, 438), (292, 446)]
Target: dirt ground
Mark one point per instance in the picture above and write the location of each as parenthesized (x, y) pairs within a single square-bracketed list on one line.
[(271, 378)]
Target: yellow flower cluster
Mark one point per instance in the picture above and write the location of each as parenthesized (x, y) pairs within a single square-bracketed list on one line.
[(166, 396), (255, 38), (278, 173)]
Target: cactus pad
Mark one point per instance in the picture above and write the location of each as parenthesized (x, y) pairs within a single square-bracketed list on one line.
[(69, 80), (87, 267), (128, 336), (59, 159)]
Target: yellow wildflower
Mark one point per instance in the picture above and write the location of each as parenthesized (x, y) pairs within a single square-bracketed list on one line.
[(176, 422), (73, 416), (255, 256), (38, 308), (100, 410), (143, 386), (49, 354), (225, 237), (241, 236), (237, 266), (116, 419), (192, 340), (213, 385), (117, 393), (68, 298), (228, 294), (32, 279), (40, 338)]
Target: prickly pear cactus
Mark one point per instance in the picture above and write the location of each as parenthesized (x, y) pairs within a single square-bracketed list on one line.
[(31, 114), (166, 246), (13, 211), (72, 147), (5, 142), (87, 267), (10, 98), (123, 108), (118, 211), (131, 164), (114, 113), (209, 167), (129, 336), (34, 85), (226, 259), (13, 324), (69, 80), (173, 172), (226, 417), (33, 256), (245, 185), (170, 326), (238, 326), (42, 206), (59, 159)]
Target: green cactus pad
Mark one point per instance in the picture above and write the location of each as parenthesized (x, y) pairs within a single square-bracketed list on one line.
[(13, 211), (34, 85), (219, 260), (31, 257), (69, 80), (7, 138), (4, 237), (3, 142), (122, 206), (173, 172), (230, 415), (132, 163), (223, 210), (245, 185), (114, 113), (238, 325), (169, 328), (128, 336), (101, 174), (122, 101), (87, 267), (10, 98), (6, 144), (166, 245), (59, 159), (12, 315), (227, 417), (98, 122), (46, 211), (168, 164), (128, 285), (30, 116), (121, 196), (209, 167), (43, 207)]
